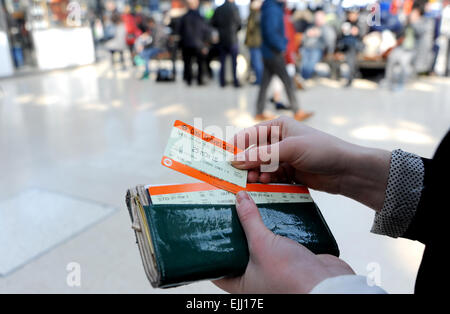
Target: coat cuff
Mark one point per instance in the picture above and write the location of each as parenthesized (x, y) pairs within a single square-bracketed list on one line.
[(404, 189), (346, 284)]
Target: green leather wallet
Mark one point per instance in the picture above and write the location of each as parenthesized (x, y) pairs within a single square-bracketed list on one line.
[(183, 243)]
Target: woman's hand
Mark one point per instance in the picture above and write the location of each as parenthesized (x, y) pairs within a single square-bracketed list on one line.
[(277, 264), (316, 159)]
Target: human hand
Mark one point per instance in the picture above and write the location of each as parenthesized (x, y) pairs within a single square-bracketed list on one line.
[(277, 264), (313, 32), (314, 158), (355, 31)]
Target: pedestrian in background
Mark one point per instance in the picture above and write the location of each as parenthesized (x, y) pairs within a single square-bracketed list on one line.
[(228, 22), (151, 43), (194, 34), (273, 49), (408, 58), (133, 31), (253, 39), (118, 43), (313, 46), (350, 42)]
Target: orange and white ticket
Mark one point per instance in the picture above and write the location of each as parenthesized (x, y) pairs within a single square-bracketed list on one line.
[(206, 194), (204, 157)]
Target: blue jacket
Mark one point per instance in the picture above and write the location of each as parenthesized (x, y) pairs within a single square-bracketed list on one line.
[(272, 28)]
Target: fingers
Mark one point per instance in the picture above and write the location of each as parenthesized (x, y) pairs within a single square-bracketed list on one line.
[(258, 134), (253, 176), (251, 220), (284, 151), (256, 233), (230, 285), (282, 175)]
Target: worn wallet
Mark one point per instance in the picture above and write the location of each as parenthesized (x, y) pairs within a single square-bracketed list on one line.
[(191, 232)]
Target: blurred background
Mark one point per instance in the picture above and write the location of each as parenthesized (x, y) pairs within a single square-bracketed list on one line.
[(89, 90)]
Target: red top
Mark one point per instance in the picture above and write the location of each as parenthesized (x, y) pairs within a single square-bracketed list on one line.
[(131, 26), (292, 47)]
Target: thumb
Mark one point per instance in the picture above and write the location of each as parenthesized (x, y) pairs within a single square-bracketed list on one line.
[(251, 220), (284, 151)]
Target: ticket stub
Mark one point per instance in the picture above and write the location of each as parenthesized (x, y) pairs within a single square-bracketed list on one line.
[(204, 157), (206, 194)]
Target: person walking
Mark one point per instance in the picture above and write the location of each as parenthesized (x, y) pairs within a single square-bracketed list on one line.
[(194, 33), (227, 20), (253, 39), (273, 49)]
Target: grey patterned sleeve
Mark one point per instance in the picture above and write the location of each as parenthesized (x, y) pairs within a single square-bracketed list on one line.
[(403, 193)]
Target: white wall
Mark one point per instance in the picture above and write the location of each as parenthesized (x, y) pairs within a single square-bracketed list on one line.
[(6, 66)]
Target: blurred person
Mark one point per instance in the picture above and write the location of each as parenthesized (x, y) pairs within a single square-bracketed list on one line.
[(293, 43), (435, 17), (151, 43), (276, 90), (313, 46), (227, 21), (207, 10), (132, 29), (273, 50), (253, 39), (118, 43), (175, 15), (405, 191), (194, 33), (411, 56), (214, 51), (302, 19), (350, 42), (427, 47), (290, 56)]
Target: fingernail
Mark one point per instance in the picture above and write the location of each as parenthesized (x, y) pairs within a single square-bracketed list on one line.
[(237, 163), (241, 196)]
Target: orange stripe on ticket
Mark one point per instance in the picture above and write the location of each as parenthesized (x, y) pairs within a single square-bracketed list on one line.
[(198, 187), (197, 174), (181, 188), (206, 137)]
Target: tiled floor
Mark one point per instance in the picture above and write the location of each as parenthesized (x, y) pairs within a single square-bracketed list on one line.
[(92, 132), (36, 221)]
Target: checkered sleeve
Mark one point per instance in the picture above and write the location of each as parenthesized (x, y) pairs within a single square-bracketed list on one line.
[(404, 189)]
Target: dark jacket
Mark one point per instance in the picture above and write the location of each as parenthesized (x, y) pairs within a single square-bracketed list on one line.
[(272, 28), (346, 41), (430, 223), (227, 20), (193, 30)]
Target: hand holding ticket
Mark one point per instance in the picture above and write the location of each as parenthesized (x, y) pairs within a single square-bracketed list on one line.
[(204, 157)]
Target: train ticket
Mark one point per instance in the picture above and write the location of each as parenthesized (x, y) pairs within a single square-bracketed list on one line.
[(204, 157), (205, 194)]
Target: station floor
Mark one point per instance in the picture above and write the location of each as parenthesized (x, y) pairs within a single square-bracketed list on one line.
[(72, 142)]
